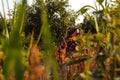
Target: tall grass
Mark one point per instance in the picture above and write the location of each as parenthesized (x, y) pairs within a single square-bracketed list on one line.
[(50, 62), (4, 23), (12, 46)]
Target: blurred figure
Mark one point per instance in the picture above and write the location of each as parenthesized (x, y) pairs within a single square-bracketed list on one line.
[(68, 45)]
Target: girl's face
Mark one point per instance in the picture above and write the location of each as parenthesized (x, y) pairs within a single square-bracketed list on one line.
[(76, 33)]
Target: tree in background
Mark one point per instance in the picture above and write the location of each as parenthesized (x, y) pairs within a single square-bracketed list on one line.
[(59, 18)]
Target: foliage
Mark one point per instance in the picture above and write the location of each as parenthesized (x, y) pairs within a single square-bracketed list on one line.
[(13, 52), (104, 39), (50, 62), (58, 18)]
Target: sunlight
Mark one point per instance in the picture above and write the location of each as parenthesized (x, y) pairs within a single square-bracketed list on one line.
[(77, 4)]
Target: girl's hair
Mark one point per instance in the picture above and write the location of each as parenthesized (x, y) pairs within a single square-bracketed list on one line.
[(71, 30)]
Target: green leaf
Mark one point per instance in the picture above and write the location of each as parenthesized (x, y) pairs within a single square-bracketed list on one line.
[(82, 59), (13, 45), (100, 1), (99, 36), (51, 63), (84, 9)]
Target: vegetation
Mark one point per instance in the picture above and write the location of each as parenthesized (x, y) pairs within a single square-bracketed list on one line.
[(28, 41)]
